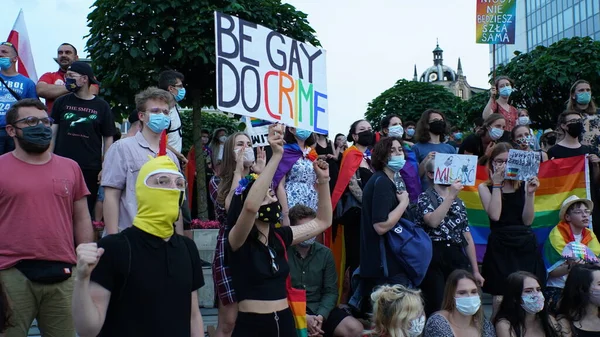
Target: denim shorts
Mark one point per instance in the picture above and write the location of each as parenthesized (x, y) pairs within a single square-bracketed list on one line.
[(100, 194)]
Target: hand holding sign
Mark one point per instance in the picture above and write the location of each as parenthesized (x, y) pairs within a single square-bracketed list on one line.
[(276, 138), (532, 185), (455, 188)]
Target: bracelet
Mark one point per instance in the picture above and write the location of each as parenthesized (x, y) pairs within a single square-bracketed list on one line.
[(497, 186), (324, 181)]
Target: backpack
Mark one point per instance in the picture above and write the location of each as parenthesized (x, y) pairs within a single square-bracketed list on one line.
[(411, 247)]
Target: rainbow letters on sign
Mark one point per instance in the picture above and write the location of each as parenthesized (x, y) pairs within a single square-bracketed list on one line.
[(496, 21), (559, 179)]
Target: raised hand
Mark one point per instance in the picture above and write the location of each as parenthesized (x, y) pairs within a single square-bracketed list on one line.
[(493, 92), (88, 255), (261, 160), (498, 175), (275, 138), (321, 169), (455, 188), (532, 185)]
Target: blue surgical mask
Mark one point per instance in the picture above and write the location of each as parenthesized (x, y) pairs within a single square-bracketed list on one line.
[(396, 131), (5, 63), (506, 91), (180, 94), (496, 133), (582, 97), (468, 306), (396, 163), (410, 132), (303, 134), (458, 136), (524, 120), (158, 122)]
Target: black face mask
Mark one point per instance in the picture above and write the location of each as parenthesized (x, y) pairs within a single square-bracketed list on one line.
[(575, 129), (551, 140), (269, 213), (365, 138), (35, 139), (437, 127)]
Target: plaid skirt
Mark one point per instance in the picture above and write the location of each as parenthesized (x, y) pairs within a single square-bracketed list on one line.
[(221, 272)]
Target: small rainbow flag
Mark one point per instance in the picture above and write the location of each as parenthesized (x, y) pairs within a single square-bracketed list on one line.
[(559, 179)]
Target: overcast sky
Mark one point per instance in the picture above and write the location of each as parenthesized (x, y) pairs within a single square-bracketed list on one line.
[(370, 44)]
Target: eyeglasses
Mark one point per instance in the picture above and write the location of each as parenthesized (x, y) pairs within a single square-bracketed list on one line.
[(33, 121), (572, 121), (274, 265), (499, 162), (158, 111), (169, 182), (580, 212)]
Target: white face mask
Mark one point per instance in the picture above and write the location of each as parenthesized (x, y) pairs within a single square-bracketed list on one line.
[(416, 326), (468, 306), (248, 155), (396, 131), (524, 120), (307, 243)]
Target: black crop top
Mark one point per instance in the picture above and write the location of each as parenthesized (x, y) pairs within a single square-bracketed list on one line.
[(251, 268)]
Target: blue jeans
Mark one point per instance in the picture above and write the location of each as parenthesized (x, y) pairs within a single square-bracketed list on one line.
[(6, 142)]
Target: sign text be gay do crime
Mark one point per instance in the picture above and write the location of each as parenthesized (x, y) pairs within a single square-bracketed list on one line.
[(264, 74)]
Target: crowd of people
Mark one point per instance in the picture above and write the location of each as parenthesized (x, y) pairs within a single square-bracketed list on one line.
[(311, 217)]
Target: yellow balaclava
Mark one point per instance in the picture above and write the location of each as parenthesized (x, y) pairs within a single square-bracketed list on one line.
[(157, 208)]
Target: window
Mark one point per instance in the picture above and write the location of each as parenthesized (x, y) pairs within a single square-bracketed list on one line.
[(576, 12), (554, 26), (590, 26), (590, 8), (569, 18), (569, 33), (560, 22)]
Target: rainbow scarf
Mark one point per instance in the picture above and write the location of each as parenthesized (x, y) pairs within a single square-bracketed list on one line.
[(559, 179), (559, 237)]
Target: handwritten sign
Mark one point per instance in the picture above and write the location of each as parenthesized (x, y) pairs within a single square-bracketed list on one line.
[(522, 165), (258, 130), (266, 75), (496, 21), (450, 167)]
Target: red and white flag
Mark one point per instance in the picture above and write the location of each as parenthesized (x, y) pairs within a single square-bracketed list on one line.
[(20, 39)]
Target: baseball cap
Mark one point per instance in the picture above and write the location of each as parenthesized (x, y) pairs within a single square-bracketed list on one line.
[(133, 117), (84, 69)]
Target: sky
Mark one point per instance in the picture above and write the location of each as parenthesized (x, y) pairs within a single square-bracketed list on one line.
[(370, 44)]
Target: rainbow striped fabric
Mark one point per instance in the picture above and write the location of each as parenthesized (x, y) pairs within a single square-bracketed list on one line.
[(559, 179)]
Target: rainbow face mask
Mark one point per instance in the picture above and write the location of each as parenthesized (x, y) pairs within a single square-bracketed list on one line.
[(159, 188)]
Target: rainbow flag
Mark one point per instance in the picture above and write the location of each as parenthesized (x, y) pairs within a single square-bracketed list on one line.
[(559, 179)]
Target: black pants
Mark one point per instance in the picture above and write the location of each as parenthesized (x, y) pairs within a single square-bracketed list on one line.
[(277, 324), (91, 181), (446, 258)]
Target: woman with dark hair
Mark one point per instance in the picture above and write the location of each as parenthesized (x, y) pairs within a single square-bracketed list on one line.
[(503, 86), (339, 146), (443, 215), (481, 142), (461, 314), (383, 206), (432, 129), (522, 312), (257, 250), (409, 132), (525, 141), (324, 149), (355, 172), (295, 175), (512, 245), (578, 307), (216, 148), (390, 126)]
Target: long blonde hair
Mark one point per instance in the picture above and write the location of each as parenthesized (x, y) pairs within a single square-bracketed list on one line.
[(572, 103), (228, 164), (394, 307)]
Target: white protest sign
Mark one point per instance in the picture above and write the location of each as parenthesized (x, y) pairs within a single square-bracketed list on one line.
[(450, 167), (522, 165), (266, 75), (258, 130)]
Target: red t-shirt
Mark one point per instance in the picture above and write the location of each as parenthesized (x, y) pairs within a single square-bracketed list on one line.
[(55, 78), (36, 209)]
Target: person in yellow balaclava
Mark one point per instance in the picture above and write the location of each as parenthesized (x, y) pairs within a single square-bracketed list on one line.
[(142, 281)]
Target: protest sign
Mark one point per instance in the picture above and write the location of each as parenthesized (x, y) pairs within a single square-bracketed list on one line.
[(496, 21), (258, 130), (522, 165), (451, 167), (266, 75)]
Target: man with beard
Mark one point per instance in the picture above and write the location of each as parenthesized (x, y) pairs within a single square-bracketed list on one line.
[(83, 126), (52, 84), (44, 215)]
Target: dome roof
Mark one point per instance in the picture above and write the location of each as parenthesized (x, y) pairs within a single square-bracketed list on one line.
[(442, 73)]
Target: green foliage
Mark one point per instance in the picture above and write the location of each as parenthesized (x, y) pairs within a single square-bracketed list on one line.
[(131, 42), (543, 77), (210, 121), (472, 108), (409, 99)]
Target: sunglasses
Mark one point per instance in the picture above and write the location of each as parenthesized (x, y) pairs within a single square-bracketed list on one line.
[(274, 265)]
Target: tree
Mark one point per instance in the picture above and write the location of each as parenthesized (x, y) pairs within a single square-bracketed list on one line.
[(409, 99), (210, 122), (130, 42), (543, 77), (472, 108)]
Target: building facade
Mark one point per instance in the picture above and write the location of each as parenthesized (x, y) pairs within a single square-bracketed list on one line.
[(440, 74), (544, 22)]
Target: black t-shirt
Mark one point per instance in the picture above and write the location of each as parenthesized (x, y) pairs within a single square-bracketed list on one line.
[(473, 144), (559, 151), (81, 126), (251, 267), (151, 292), (379, 199)]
